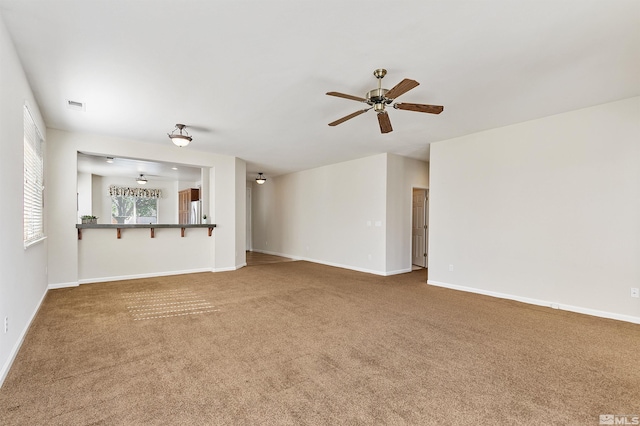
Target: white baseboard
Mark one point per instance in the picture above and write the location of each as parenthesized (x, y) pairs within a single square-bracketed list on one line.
[(14, 351), (337, 265), (136, 276), (397, 272), (277, 254), (63, 285), (538, 302), (602, 314), (228, 268)]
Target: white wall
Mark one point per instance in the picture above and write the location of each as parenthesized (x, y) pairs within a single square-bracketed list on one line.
[(204, 193), (326, 215), (104, 257), (241, 212), (62, 156), (85, 195), (546, 211), (355, 214), (248, 207), (96, 202), (182, 185), (23, 280)]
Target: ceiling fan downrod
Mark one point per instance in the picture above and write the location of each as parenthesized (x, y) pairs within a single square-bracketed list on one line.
[(376, 97)]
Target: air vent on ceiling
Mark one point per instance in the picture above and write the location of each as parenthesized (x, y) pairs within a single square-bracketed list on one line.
[(78, 106)]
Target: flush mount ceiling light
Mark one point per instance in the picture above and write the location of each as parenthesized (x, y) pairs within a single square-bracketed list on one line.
[(141, 180), (182, 138), (260, 179)]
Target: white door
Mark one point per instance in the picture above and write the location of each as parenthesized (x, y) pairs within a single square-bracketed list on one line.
[(419, 228), (426, 228)]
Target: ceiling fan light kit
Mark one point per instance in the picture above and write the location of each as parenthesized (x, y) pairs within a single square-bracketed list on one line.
[(141, 180), (182, 138), (260, 179), (379, 98)]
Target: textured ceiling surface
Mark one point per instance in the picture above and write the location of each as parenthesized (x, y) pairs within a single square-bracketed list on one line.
[(249, 77)]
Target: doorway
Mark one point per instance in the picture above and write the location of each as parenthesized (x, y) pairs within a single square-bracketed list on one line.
[(419, 227)]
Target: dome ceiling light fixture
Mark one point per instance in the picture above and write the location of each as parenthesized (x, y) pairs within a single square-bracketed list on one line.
[(260, 179), (182, 138), (141, 179)]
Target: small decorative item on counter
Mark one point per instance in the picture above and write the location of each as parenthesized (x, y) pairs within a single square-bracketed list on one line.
[(89, 218)]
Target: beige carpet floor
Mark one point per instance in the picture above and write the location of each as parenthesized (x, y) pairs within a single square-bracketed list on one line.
[(256, 258), (304, 344)]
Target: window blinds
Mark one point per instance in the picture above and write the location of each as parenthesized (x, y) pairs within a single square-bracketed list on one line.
[(33, 181)]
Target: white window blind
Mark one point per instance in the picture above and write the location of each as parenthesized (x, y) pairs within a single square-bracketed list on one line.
[(33, 181)]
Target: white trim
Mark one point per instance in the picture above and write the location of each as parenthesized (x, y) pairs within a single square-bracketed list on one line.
[(63, 285), (397, 272), (16, 348), (491, 293), (336, 265), (545, 303), (226, 269), (277, 254), (30, 243), (136, 276), (602, 314)]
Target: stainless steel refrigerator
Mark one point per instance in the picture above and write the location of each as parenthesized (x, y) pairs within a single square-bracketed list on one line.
[(195, 215)]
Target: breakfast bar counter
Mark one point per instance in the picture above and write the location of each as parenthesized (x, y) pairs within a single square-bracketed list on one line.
[(151, 226)]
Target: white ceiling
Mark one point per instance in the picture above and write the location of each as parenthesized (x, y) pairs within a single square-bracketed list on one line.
[(132, 168), (249, 77)]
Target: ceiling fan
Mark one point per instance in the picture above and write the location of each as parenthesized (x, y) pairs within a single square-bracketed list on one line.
[(379, 98)]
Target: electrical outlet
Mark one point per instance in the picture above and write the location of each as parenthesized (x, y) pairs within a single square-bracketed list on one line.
[(635, 292), (450, 267), (6, 324)]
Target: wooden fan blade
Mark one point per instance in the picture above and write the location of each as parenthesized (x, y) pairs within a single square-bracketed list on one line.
[(348, 117), (403, 87), (385, 123), (342, 95), (431, 109)]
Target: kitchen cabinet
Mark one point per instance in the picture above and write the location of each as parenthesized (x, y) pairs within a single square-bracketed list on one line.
[(185, 198)]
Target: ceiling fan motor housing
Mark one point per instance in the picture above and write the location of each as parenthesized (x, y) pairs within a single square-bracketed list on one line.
[(377, 96), (379, 107)]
